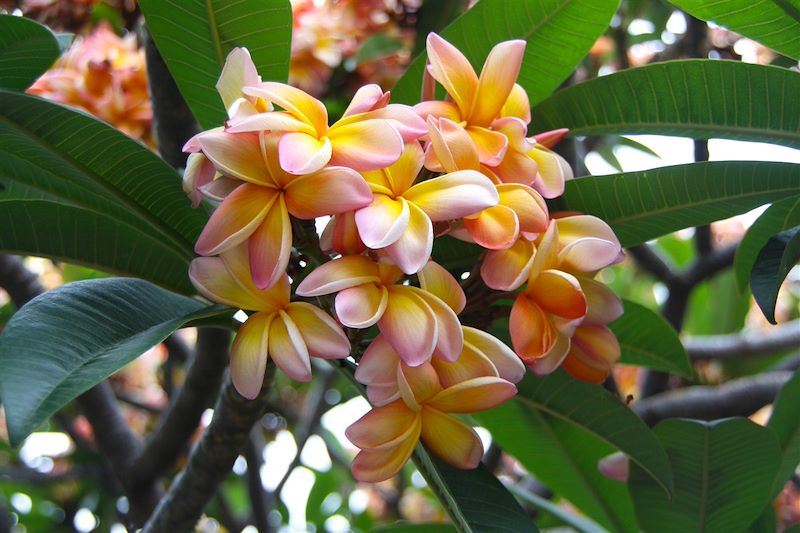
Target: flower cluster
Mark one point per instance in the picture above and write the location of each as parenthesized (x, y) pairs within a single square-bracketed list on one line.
[(392, 178)]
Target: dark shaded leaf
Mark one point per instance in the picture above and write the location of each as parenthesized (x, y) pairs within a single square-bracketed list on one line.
[(27, 49), (772, 265), (785, 422)]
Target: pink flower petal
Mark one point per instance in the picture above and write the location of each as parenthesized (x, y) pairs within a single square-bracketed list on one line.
[(498, 76), (301, 153), (364, 100), (450, 68), (453, 195), (438, 109), (249, 354), (494, 228), (323, 336), (288, 349), (295, 101), (383, 221), (378, 364), (270, 246), (235, 155), (338, 275), (409, 326), (604, 306), (434, 279), (449, 337), (238, 71), (275, 121), (413, 248), (328, 191), (365, 145), (450, 439), (508, 365), (404, 119), (507, 270), (361, 306), (452, 146)]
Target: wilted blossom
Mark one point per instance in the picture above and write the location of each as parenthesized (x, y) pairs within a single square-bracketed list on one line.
[(393, 179)]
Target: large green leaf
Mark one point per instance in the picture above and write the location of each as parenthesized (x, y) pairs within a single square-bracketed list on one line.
[(69, 339), (647, 340), (785, 422), (49, 152), (27, 49), (779, 217), (475, 500), (766, 21), (564, 457), (693, 98), (644, 205), (559, 34), (724, 472), (195, 36), (773, 264)]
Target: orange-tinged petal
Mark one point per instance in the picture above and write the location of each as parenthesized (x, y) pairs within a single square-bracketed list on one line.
[(473, 395), (293, 100), (533, 334), (235, 155), (384, 427), (558, 293), (453, 195), (270, 246), (199, 172), (436, 280), (341, 235), (238, 71), (438, 109), (471, 364), (508, 365), (449, 337), (507, 270), (383, 221), (498, 76), (517, 105), (322, 335), (452, 146), (413, 248), (378, 364), (288, 349), (592, 355), (604, 306), (404, 119), (365, 99), (301, 153), (417, 384), (589, 255), (553, 358), (361, 306), (492, 145), (249, 354), (211, 279), (329, 191), (365, 145), (402, 173), (450, 439), (373, 466), (275, 121), (516, 131), (450, 68), (236, 219), (237, 261), (546, 256), (494, 228), (409, 325), (553, 171), (339, 274), (516, 167), (529, 206)]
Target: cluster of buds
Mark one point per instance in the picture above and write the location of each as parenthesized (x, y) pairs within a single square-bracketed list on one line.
[(385, 174)]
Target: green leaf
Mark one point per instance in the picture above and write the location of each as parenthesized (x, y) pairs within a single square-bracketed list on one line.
[(578, 523), (648, 340), (765, 22), (454, 254), (69, 339), (416, 528), (195, 36), (563, 456), (475, 500), (559, 34), (785, 422), (780, 216), (773, 264), (693, 98), (724, 471), (644, 205), (61, 156), (377, 46), (27, 49)]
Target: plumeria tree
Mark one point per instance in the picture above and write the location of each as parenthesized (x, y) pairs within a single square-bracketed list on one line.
[(427, 246)]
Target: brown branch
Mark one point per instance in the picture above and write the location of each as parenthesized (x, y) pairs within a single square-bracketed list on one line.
[(745, 343)]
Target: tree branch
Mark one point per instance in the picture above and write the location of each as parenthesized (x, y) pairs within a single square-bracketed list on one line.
[(21, 284), (261, 501), (740, 397), (745, 343), (210, 460)]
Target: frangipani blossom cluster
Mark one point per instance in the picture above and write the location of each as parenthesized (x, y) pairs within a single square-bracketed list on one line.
[(392, 179)]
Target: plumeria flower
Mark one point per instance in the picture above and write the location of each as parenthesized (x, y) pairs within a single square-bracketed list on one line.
[(369, 136), (258, 208), (287, 332), (560, 291), (594, 350), (240, 71), (340, 236), (400, 217), (519, 207), (388, 434), (414, 321)]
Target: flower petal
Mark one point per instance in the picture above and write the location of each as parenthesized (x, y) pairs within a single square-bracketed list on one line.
[(270, 246), (506, 362), (288, 349), (453, 195), (450, 339), (516, 167), (548, 139), (220, 188), (236, 219), (249, 354), (451, 147), (558, 293), (301, 153), (553, 358), (450, 68), (452, 440), (384, 427), (589, 255), (323, 336), (383, 221), (237, 261), (378, 364), (498, 76), (329, 191), (409, 325), (473, 395), (365, 99), (492, 145), (553, 171), (434, 279), (211, 279), (341, 235), (470, 364), (235, 155), (604, 305), (438, 109), (592, 354), (517, 105), (293, 100), (361, 306), (412, 250), (274, 121), (199, 173), (401, 174), (495, 228), (417, 384), (373, 466), (339, 274), (507, 270), (529, 206), (533, 334), (365, 145), (238, 71), (404, 119)]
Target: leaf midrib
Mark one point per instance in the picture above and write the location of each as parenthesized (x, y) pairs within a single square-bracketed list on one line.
[(672, 126)]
